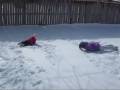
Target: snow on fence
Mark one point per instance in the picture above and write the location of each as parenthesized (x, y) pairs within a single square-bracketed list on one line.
[(42, 12)]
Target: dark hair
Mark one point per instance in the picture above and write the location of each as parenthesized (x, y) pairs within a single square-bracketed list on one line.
[(83, 44)]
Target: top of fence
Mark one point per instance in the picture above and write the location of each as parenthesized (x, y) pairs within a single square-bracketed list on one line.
[(78, 1)]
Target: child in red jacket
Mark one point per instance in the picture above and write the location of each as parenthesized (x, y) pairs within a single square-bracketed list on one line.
[(29, 42)]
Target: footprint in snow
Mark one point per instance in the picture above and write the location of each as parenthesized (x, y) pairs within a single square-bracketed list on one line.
[(49, 49), (37, 83), (18, 51)]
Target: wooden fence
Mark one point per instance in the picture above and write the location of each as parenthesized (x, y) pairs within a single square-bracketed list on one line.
[(43, 12)]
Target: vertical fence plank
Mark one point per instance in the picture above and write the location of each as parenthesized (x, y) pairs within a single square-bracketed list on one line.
[(1, 23)]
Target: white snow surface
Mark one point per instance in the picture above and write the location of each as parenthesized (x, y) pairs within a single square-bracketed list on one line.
[(58, 63)]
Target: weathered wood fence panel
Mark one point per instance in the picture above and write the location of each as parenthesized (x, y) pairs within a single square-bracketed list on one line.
[(42, 12)]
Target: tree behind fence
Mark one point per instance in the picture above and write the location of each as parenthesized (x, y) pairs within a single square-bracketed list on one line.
[(42, 12)]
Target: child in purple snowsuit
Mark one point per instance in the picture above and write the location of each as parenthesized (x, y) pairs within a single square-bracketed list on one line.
[(95, 46), (90, 46)]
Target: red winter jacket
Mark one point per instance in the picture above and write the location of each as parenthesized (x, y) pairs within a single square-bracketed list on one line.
[(32, 40)]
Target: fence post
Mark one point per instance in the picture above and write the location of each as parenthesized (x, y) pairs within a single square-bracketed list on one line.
[(70, 11), (0, 12), (84, 11), (23, 12)]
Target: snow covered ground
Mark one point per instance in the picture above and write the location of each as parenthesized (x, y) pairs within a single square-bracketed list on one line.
[(58, 63)]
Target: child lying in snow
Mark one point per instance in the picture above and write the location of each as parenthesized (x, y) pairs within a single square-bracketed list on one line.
[(95, 47), (29, 42)]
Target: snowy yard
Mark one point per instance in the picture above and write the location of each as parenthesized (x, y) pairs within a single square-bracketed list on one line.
[(58, 63)]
